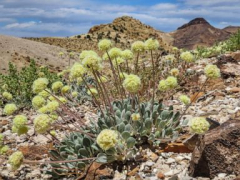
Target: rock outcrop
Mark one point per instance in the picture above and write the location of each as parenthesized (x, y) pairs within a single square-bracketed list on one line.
[(218, 151)]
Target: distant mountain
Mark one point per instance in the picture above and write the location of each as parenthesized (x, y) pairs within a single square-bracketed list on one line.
[(232, 29), (198, 32)]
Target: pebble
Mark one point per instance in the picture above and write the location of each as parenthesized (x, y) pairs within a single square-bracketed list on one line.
[(222, 175), (170, 161), (172, 172), (149, 163)]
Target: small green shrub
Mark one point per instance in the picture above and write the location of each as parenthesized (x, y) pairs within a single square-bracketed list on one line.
[(19, 83)]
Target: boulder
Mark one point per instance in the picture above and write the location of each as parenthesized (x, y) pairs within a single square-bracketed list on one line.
[(218, 151)]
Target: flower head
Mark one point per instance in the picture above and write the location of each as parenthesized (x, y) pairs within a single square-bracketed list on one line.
[(123, 75), (1, 139), (151, 44), (20, 125), (132, 83), (77, 71), (65, 89), (44, 94), (7, 95), (53, 117), (127, 54), (135, 116), (107, 139), (63, 100), (74, 94), (85, 53), (171, 82), (38, 102), (43, 110), (115, 52), (104, 45), (118, 61), (61, 53), (212, 71), (79, 81), (42, 123), (39, 85), (16, 159), (105, 57), (103, 79), (187, 56), (57, 86), (175, 49), (41, 74), (9, 109), (185, 99), (169, 59), (138, 46), (91, 62), (53, 133), (199, 125), (174, 72), (4, 87), (71, 54), (163, 85), (4, 149), (92, 91), (52, 106)]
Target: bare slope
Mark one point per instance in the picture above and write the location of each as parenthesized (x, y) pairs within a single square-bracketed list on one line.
[(232, 29), (20, 51)]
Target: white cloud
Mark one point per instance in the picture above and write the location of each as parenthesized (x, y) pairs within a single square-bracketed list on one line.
[(209, 2), (7, 20), (164, 6), (19, 25)]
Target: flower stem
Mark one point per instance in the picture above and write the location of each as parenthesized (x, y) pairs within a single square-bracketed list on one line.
[(136, 64), (153, 75), (114, 75)]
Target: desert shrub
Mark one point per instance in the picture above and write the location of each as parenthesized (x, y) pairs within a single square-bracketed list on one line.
[(232, 44), (19, 83)]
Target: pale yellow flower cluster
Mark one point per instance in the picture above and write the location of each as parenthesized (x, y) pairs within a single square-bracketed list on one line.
[(107, 139), (132, 83)]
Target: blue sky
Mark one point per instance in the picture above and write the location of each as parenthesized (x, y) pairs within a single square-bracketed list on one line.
[(37, 18)]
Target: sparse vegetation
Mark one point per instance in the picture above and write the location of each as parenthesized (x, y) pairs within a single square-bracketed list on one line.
[(19, 83), (130, 114)]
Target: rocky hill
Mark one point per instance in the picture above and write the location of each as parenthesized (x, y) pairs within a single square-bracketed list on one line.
[(198, 32), (20, 51), (232, 29), (122, 31)]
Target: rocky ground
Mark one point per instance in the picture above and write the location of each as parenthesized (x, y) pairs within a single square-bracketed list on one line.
[(219, 101)]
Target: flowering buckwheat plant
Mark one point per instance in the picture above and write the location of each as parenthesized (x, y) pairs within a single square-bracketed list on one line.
[(128, 89)]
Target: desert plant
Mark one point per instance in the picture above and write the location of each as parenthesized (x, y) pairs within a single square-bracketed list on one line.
[(19, 83), (126, 120)]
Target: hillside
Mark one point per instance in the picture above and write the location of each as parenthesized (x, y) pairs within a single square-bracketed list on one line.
[(232, 29), (122, 31), (198, 32), (21, 51)]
